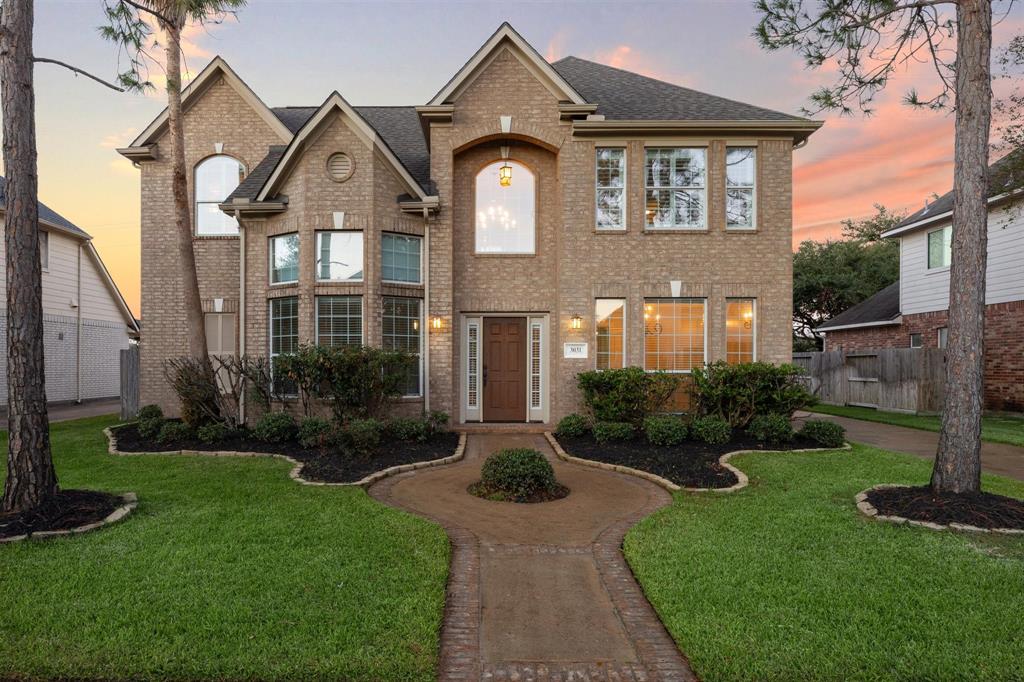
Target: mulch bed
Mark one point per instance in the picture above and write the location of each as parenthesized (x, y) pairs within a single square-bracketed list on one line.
[(496, 495), (983, 510), (331, 465), (68, 509), (694, 464)]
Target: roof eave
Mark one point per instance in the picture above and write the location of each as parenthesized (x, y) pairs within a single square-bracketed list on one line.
[(428, 206), (861, 325), (247, 208), (145, 152), (799, 130), (933, 220)]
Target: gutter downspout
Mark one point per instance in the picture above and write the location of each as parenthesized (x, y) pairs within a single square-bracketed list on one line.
[(78, 334), (426, 317), (241, 309)]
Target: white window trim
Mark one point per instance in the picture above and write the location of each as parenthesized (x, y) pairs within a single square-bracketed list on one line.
[(362, 315), (704, 207), (270, 260), (419, 282), (270, 340), (625, 189), (753, 319), (316, 245), (753, 210), (196, 203), (625, 329), (927, 251), (680, 298), (910, 339), (423, 339), (44, 250), (938, 337)]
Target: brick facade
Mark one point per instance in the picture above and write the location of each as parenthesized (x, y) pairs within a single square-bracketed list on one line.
[(1004, 347)]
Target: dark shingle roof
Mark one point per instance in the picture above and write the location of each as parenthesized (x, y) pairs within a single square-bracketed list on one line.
[(294, 118), (882, 307), (46, 213), (253, 182), (624, 95), (1006, 174)]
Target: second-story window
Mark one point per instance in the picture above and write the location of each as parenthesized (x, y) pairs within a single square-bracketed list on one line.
[(610, 189), (339, 256), (676, 188), (940, 247), (505, 202), (400, 258), (284, 259), (215, 178), (740, 196)]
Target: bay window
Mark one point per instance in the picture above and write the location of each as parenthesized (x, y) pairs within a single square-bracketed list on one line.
[(740, 330), (400, 258), (610, 188), (610, 316), (284, 259), (674, 334), (676, 188), (339, 321), (740, 195), (402, 329), (215, 178), (339, 256)]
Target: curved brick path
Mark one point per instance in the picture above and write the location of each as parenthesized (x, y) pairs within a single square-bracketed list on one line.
[(542, 591)]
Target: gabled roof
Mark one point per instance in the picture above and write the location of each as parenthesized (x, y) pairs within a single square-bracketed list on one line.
[(506, 35), (46, 215), (250, 187), (881, 309), (624, 95)]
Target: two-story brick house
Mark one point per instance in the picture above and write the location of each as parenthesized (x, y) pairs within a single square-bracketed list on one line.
[(531, 221)]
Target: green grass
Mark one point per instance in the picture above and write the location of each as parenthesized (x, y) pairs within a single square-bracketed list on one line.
[(786, 580), (996, 429), (227, 570)]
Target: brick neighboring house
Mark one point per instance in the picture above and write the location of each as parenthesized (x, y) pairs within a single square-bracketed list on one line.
[(531, 221), (86, 321), (912, 312)]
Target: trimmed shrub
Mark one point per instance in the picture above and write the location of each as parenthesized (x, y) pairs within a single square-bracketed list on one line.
[(771, 429), (572, 426), (150, 428), (665, 430), (437, 422), (147, 412), (711, 430), (520, 473), (173, 432), (738, 393), (214, 432), (625, 395), (825, 433), (609, 431), (195, 384), (363, 435), (274, 427), (408, 429), (314, 432)]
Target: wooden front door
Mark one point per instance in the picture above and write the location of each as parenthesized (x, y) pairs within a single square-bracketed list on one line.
[(504, 369)]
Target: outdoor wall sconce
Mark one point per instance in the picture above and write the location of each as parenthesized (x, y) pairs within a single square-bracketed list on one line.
[(576, 323), (437, 323)]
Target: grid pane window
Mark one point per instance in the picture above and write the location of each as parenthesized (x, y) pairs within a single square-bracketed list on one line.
[(284, 259), (740, 176), (675, 180), (916, 340), (739, 330), (610, 197), (940, 248), (339, 256), (216, 178), (402, 331), (610, 314), (339, 321), (673, 334), (401, 258), (284, 337)]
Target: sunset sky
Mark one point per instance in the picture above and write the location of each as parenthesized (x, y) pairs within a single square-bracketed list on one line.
[(379, 53)]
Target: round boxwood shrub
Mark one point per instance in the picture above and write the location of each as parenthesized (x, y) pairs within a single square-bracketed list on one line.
[(572, 426), (605, 432), (363, 435), (408, 429), (214, 432), (274, 427), (826, 433), (711, 430), (314, 432), (771, 429), (664, 430), (518, 475), (147, 412), (173, 432), (150, 428)]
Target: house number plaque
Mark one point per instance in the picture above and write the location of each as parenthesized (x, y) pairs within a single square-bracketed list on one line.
[(575, 351)]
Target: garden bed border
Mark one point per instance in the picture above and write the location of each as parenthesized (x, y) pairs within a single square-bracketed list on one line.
[(870, 511), (294, 474), (129, 502), (741, 478)]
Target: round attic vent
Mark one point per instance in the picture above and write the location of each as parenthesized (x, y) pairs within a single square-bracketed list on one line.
[(339, 167)]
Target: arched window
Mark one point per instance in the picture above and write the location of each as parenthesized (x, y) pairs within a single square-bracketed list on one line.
[(216, 178), (505, 209)]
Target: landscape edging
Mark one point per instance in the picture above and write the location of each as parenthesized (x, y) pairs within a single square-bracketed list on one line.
[(364, 482), (870, 511), (741, 478), (129, 500)]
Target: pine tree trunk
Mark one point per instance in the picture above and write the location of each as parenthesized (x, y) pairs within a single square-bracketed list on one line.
[(31, 479), (194, 318), (958, 461)]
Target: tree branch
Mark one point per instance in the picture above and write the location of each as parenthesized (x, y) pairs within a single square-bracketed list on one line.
[(148, 10), (76, 70)]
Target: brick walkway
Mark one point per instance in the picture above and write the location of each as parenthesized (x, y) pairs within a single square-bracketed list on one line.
[(541, 592)]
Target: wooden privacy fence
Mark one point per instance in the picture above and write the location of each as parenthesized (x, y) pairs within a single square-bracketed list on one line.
[(129, 382), (894, 379)]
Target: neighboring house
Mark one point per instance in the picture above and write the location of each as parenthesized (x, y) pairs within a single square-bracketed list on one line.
[(86, 321), (531, 221), (912, 312)]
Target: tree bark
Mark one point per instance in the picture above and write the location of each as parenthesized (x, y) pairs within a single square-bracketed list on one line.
[(31, 479), (958, 460), (194, 318)]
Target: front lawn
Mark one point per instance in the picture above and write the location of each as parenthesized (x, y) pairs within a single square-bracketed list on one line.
[(786, 580), (997, 429), (227, 570)]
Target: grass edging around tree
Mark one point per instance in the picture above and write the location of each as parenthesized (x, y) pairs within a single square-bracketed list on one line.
[(227, 570), (788, 580), (994, 428)]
